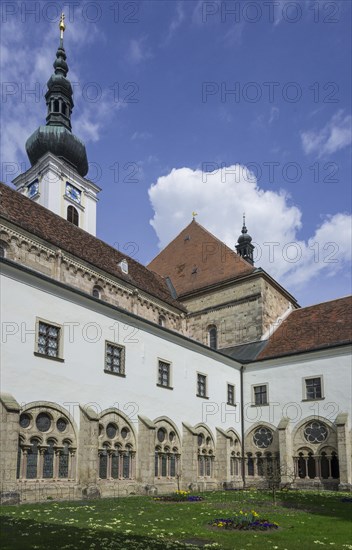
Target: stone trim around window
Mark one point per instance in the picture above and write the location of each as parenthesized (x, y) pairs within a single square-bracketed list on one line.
[(38, 345), (253, 393), (304, 388)]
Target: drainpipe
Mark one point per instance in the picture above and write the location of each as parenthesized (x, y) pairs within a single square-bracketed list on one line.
[(242, 430)]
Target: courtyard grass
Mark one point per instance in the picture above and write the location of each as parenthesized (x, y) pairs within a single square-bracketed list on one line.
[(307, 520)]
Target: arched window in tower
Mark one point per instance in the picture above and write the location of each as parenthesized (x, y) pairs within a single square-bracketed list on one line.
[(213, 337), (64, 108), (72, 215), (56, 106)]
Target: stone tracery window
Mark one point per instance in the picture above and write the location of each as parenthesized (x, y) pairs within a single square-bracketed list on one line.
[(262, 437), (315, 432), (47, 440), (235, 454), (167, 451), (116, 448), (206, 454)]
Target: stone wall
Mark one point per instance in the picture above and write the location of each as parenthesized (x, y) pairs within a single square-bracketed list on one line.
[(84, 482), (236, 311)]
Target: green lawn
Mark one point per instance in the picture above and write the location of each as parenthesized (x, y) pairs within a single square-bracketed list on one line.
[(307, 520)]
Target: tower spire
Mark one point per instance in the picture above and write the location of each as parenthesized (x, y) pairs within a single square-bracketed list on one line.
[(244, 247), (57, 136)]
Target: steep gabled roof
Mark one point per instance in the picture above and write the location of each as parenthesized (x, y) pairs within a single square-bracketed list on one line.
[(43, 223), (310, 328), (197, 259)]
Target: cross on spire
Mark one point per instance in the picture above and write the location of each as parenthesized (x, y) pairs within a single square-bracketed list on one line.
[(62, 27)]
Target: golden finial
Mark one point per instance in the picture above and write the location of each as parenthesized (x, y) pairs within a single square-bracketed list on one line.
[(62, 26), (194, 214)]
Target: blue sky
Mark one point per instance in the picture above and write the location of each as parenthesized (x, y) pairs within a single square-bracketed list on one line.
[(217, 107)]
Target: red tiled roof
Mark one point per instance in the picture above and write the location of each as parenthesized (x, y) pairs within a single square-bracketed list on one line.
[(197, 259), (43, 223), (314, 327)]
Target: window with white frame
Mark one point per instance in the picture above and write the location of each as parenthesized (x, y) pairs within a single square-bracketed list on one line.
[(201, 385), (164, 374), (260, 394), (114, 359), (230, 394), (48, 340), (313, 388)]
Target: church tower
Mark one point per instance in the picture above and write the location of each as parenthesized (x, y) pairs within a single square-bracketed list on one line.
[(245, 247), (59, 162)]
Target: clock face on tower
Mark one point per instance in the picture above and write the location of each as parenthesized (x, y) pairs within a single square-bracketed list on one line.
[(33, 189), (73, 193)]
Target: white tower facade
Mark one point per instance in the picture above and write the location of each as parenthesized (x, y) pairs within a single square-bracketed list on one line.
[(52, 183)]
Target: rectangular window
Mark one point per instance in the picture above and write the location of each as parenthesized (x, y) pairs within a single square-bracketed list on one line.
[(114, 359), (201, 385), (260, 395), (313, 388), (164, 374), (48, 339), (230, 394)]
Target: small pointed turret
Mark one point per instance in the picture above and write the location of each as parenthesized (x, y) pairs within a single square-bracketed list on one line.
[(56, 136), (244, 247)]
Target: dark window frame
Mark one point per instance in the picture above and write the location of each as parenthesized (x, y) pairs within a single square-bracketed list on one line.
[(231, 394), (260, 397), (164, 374), (109, 369), (202, 385), (72, 215), (313, 388)]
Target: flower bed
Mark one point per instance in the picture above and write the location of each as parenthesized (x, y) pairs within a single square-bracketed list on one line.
[(179, 496), (245, 521)]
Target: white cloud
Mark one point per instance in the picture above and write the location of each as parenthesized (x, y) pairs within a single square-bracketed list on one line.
[(138, 50), (335, 135), (220, 198), (176, 21)]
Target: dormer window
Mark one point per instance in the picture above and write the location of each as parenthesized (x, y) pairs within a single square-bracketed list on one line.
[(123, 265), (72, 215)]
